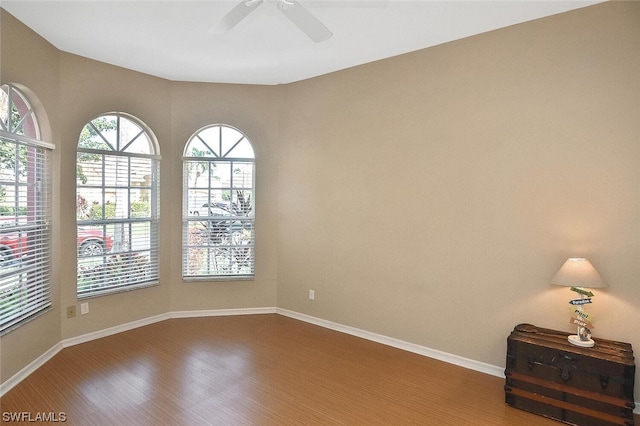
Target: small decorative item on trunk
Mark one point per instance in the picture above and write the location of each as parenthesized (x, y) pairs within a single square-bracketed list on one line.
[(585, 334)]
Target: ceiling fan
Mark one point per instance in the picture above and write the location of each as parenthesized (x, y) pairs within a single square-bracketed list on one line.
[(292, 9)]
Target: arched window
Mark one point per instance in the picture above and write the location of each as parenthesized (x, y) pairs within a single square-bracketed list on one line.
[(25, 212), (218, 205), (117, 205)]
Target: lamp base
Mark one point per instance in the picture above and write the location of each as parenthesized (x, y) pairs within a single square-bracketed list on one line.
[(575, 340)]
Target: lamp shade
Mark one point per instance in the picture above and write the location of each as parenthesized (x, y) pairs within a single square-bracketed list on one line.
[(578, 272)]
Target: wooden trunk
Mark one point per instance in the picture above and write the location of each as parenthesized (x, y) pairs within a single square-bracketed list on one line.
[(547, 375)]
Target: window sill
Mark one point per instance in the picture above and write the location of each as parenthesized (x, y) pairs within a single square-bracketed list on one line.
[(218, 278)]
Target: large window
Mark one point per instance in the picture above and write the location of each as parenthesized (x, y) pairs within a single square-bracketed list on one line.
[(117, 206), (218, 205), (25, 235)]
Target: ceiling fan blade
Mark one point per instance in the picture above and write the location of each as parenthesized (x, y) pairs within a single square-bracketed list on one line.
[(308, 23), (234, 16)]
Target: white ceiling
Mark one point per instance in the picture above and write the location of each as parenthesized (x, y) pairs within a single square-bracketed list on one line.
[(171, 39)]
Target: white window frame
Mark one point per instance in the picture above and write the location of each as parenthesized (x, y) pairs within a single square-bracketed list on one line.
[(121, 162), (218, 208), (25, 240)]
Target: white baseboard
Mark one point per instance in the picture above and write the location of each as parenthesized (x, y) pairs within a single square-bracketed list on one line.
[(222, 312), (482, 367), (114, 330), (8, 384), (161, 317), (400, 344)]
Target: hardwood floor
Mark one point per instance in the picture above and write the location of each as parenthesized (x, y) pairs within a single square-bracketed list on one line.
[(256, 370)]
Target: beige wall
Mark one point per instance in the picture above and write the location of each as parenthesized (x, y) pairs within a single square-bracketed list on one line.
[(30, 62), (429, 197)]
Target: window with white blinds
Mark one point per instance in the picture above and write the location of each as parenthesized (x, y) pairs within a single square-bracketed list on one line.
[(218, 228), (25, 234), (117, 206)]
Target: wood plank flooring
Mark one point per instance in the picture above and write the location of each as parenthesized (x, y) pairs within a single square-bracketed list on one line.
[(256, 370)]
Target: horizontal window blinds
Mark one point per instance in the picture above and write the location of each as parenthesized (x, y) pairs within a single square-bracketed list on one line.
[(25, 234), (117, 216)]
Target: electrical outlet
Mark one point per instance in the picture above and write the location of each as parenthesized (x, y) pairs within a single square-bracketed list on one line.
[(84, 308), (71, 311), (312, 294)]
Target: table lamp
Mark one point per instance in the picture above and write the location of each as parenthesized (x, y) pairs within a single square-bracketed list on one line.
[(579, 274)]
